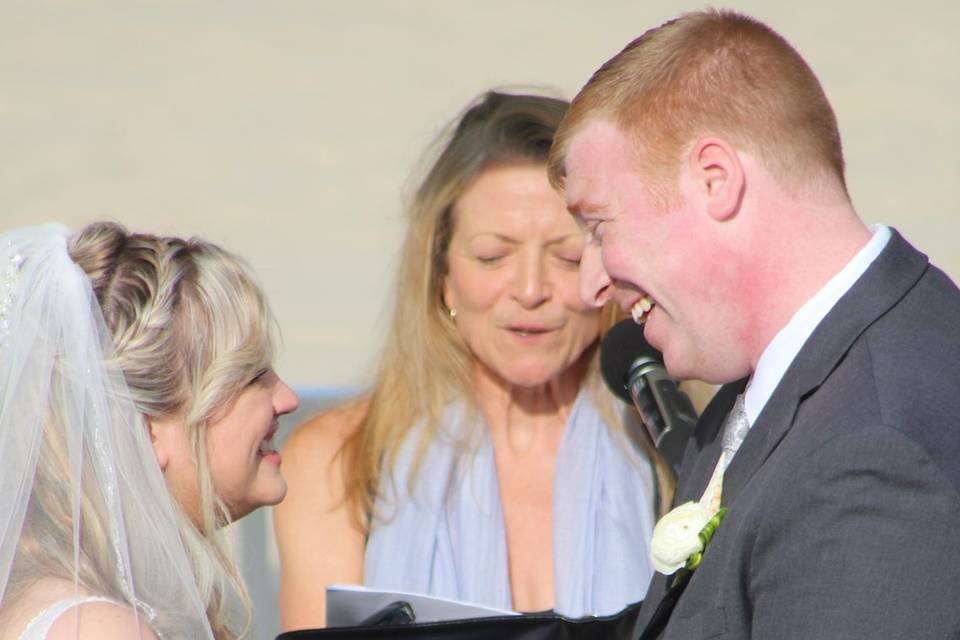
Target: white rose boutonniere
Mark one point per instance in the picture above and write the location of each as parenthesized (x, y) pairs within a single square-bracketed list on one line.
[(681, 536)]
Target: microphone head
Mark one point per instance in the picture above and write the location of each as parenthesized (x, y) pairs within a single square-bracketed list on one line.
[(620, 349)]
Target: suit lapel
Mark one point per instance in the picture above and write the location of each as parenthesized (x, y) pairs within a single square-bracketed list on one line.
[(887, 280), (700, 458), (658, 621)]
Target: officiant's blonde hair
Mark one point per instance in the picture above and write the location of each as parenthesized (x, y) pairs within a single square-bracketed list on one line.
[(426, 363)]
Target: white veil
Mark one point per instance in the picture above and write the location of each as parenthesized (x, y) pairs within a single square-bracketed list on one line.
[(81, 494)]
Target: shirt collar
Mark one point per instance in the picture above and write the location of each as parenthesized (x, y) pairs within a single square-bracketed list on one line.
[(785, 346)]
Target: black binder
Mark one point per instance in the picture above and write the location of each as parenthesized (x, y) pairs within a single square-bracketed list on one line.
[(531, 626)]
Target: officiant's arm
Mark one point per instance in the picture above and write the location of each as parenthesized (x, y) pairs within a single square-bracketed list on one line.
[(861, 545), (318, 541)]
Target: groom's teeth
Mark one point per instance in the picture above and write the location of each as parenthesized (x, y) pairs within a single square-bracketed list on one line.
[(640, 309)]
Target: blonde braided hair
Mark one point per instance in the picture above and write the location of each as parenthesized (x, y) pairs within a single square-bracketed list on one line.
[(189, 326)]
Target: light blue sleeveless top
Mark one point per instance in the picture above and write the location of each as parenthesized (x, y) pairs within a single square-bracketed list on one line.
[(448, 539)]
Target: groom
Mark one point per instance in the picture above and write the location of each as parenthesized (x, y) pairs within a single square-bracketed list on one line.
[(704, 165)]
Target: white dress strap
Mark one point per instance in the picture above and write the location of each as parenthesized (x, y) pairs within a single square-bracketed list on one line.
[(38, 628)]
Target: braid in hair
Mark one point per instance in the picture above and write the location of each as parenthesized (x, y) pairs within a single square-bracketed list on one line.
[(136, 279)]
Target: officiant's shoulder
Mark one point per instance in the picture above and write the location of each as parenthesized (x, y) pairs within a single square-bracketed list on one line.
[(318, 443)]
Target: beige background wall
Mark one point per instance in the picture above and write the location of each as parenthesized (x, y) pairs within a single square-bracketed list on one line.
[(287, 130)]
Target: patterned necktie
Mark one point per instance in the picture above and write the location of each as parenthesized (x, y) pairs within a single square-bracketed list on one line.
[(735, 428)]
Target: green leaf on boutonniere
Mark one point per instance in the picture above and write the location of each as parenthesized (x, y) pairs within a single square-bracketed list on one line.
[(705, 535), (680, 536)]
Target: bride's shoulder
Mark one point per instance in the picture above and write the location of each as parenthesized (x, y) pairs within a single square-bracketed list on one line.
[(44, 607), (31, 603), (102, 620)]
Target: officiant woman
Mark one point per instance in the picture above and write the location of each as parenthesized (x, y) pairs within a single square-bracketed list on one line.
[(486, 462)]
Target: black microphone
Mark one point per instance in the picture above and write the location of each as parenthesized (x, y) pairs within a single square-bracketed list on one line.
[(634, 372)]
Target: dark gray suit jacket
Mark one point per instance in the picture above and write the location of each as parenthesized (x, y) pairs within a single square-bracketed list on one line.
[(844, 512)]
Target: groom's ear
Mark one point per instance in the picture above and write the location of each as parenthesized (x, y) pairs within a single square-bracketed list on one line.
[(718, 174)]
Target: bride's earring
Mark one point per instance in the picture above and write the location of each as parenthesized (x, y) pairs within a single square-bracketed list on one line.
[(453, 313)]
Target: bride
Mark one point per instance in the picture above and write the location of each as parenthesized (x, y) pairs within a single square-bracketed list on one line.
[(137, 411)]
